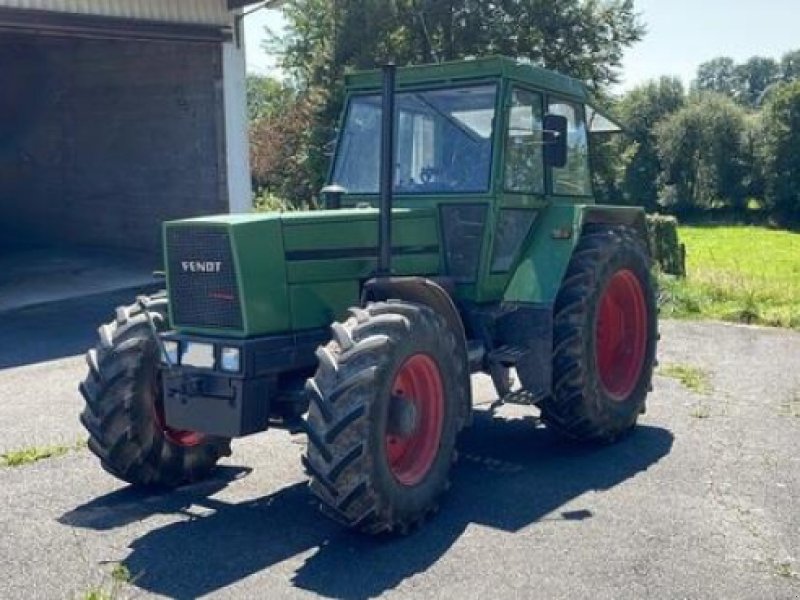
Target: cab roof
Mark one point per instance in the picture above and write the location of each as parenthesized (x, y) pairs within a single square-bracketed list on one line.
[(492, 67)]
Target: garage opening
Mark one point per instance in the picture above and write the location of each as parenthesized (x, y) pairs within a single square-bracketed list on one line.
[(101, 140)]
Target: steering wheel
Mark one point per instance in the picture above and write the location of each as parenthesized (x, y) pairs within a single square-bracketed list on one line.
[(466, 159), (428, 174)]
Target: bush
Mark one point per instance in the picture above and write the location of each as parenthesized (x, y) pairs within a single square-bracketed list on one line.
[(266, 201), (665, 247), (703, 155), (781, 157), (285, 152)]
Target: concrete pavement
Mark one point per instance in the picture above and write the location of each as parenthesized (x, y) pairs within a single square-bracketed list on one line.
[(686, 507)]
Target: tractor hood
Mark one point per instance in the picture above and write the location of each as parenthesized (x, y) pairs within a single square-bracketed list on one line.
[(273, 273)]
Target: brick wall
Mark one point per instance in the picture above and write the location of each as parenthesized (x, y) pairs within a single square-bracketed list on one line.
[(113, 138)]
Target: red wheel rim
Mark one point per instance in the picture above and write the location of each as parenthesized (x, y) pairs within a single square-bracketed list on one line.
[(621, 335), (185, 439), (411, 454)]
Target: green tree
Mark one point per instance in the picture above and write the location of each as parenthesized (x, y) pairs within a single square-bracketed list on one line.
[(280, 157), (746, 82), (583, 38), (718, 75), (641, 110), (703, 153), (755, 175), (281, 136), (781, 129), (790, 66), (267, 97), (755, 77)]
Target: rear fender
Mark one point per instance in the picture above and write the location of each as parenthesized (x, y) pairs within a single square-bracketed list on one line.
[(526, 321), (629, 216), (544, 262)]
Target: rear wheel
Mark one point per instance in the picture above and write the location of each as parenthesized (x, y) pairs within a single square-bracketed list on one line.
[(605, 337), (385, 413), (124, 411)]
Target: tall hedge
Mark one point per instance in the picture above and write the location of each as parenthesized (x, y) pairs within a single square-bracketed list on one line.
[(781, 125), (665, 247)]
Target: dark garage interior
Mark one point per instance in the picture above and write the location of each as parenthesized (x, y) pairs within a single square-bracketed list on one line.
[(101, 140)]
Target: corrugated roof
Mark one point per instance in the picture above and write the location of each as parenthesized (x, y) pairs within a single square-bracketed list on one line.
[(197, 12)]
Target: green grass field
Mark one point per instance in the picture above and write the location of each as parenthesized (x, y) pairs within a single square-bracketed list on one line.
[(737, 273)]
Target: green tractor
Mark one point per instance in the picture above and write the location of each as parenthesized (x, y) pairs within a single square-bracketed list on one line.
[(460, 236)]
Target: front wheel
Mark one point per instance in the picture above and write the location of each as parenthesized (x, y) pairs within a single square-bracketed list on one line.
[(384, 416), (124, 411), (605, 337)]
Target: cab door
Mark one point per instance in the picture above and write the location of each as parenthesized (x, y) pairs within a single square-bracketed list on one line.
[(521, 186)]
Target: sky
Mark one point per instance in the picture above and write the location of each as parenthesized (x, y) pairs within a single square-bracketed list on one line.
[(255, 24), (682, 34)]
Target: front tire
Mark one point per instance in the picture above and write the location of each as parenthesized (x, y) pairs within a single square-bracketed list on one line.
[(124, 412), (605, 337), (385, 413)]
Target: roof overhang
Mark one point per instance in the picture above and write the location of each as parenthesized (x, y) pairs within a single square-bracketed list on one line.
[(213, 13), (270, 4), (26, 22), (205, 21)]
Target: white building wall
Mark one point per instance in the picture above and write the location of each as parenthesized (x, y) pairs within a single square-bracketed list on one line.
[(234, 70), (199, 12)]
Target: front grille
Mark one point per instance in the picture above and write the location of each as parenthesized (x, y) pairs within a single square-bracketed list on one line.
[(202, 278)]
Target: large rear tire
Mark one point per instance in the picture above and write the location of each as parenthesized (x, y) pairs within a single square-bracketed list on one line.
[(605, 337), (124, 411), (386, 408)]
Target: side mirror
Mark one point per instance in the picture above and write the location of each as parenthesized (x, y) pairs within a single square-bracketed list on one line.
[(332, 195), (555, 141)]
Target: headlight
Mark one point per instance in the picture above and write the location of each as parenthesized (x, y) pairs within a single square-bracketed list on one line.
[(172, 352), (231, 360), (198, 355)]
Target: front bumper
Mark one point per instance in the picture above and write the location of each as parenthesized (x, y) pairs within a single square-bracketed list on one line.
[(214, 402)]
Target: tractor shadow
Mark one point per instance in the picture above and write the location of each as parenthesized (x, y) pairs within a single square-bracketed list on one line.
[(129, 505), (511, 475)]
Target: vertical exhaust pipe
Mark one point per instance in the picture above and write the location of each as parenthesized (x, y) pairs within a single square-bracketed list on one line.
[(387, 174)]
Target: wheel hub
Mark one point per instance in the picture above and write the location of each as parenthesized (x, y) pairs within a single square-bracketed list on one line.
[(403, 417), (415, 420), (621, 335)]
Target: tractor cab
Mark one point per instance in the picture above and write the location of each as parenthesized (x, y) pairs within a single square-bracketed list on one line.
[(486, 144), (488, 126)]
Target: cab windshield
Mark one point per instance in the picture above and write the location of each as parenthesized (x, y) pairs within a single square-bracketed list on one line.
[(443, 142)]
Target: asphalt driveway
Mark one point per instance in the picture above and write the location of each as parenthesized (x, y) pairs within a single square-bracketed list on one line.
[(701, 502)]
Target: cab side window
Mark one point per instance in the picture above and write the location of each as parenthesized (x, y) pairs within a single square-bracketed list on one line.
[(524, 152), (573, 179)]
